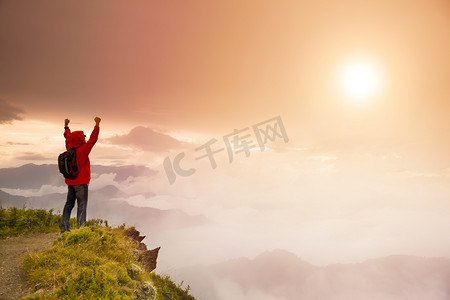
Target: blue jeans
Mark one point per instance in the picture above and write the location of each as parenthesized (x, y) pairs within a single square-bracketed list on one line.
[(80, 193)]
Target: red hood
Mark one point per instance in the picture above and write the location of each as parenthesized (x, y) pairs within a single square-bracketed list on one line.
[(77, 139)]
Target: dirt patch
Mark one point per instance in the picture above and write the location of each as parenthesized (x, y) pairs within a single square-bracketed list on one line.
[(13, 284)]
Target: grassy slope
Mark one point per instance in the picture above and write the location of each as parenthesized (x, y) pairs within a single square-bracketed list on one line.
[(94, 262), (14, 221)]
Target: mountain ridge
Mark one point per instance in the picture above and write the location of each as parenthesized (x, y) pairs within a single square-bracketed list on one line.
[(388, 277), (117, 211), (33, 176)]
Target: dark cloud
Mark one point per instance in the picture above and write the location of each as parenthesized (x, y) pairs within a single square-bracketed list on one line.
[(9, 112), (147, 139)]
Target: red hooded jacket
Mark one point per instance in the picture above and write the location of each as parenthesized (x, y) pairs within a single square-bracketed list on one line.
[(77, 139)]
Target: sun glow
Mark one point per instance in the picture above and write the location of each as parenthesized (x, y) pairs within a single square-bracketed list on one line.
[(359, 80)]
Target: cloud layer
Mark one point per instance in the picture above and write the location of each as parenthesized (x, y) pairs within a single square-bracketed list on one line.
[(9, 112), (146, 139)]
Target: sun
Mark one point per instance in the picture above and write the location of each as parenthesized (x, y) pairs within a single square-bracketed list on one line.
[(359, 80)]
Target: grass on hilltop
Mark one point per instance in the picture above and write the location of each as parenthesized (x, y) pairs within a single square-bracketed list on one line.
[(15, 221), (93, 262)]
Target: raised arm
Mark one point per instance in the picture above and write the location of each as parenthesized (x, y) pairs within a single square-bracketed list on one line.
[(67, 132), (93, 137)]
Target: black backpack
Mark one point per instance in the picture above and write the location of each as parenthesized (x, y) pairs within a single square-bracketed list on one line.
[(67, 163)]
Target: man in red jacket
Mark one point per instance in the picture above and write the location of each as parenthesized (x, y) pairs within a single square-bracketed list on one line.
[(78, 187)]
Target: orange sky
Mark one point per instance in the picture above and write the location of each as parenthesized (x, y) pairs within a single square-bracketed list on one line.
[(196, 70), (202, 69)]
